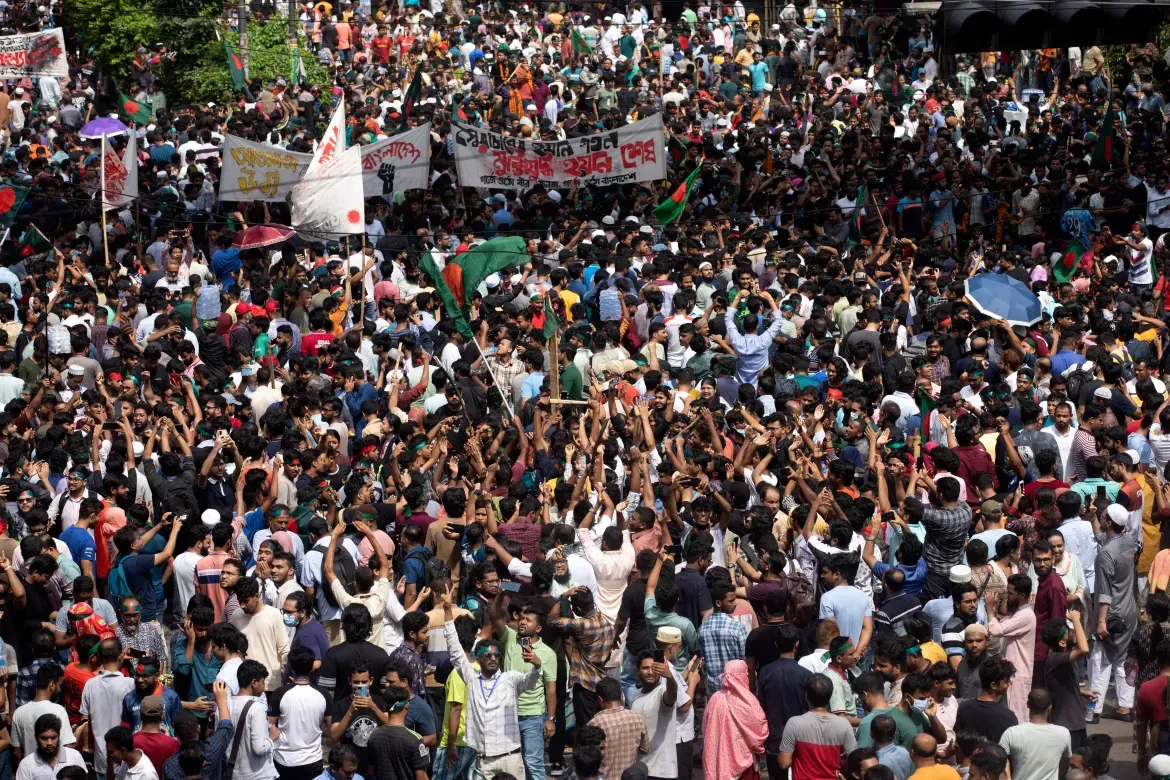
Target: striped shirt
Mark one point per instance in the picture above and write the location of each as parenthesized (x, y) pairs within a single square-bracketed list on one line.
[(952, 633), (493, 721), (724, 639), (946, 535), (207, 581), (592, 637)]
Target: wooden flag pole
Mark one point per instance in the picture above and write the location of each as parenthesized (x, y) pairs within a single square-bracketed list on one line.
[(102, 204)]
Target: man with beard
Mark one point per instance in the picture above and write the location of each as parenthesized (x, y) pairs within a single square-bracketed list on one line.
[(50, 755), (965, 598), (140, 639), (146, 683), (657, 700), (1051, 600), (975, 638)]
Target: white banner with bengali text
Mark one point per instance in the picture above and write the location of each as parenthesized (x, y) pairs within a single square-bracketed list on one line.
[(33, 54), (633, 153), (398, 163), (253, 171)]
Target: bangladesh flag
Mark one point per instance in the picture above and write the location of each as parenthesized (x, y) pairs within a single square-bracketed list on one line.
[(410, 100), (669, 210), (855, 217), (551, 323), (235, 65), (133, 110), (11, 199), (1103, 152), (579, 44), (1079, 224), (463, 274), (34, 243)]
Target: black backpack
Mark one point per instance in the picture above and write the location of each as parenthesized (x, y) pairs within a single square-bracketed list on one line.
[(344, 569), (1075, 381)]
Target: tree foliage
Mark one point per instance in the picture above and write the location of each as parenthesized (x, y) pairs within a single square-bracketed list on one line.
[(268, 59), (111, 31)]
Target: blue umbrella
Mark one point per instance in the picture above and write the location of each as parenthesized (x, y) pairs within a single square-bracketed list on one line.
[(1004, 298), (105, 125)]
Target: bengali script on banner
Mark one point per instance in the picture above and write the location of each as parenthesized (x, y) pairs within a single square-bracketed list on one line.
[(33, 54), (401, 162), (634, 153), (253, 171)]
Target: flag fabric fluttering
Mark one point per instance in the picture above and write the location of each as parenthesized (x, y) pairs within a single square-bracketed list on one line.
[(117, 188), (330, 200), (33, 242), (133, 110), (671, 209), (580, 46), (411, 98), (333, 142), (463, 274), (855, 217), (12, 197), (235, 66), (1104, 152), (551, 323)]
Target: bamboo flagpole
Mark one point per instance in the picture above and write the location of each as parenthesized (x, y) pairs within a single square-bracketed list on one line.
[(504, 393), (102, 202)]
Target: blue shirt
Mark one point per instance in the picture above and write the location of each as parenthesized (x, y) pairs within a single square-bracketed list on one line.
[(531, 385), (132, 704), (941, 212), (80, 544), (196, 676), (915, 575), (138, 569), (224, 264), (897, 759), (849, 607), (1064, 359), (723, 639), (751, 349), (759, 71)]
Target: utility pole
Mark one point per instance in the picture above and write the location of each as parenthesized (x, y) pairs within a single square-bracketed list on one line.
[(294, 70), (242, 14)]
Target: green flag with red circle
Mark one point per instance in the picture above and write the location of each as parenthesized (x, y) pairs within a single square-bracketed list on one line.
[(11, 199), (235, 65), (133, 110), (672, 208)]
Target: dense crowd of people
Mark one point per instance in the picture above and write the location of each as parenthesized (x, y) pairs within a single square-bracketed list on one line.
[(756, 487)]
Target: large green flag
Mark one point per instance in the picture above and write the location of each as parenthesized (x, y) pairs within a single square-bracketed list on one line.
[(463, 274), (1103, 152), (11, 199), (235, 65), (579, 44), (133, 110), (672, 208), (551, 323)]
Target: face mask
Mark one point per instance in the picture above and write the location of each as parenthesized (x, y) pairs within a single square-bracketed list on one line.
[(921, 704), (290, 620)]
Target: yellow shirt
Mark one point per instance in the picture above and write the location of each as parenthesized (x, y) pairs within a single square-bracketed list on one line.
[(456, 694), (570, 298)]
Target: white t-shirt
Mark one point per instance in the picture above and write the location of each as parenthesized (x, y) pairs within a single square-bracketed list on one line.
[(25, 719), (184, 572), (302, 710), (1140, 269)]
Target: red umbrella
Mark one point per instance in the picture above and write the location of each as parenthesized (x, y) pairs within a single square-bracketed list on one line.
[(262, 235)]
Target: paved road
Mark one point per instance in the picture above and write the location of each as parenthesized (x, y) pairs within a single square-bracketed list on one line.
[(1122, 759)]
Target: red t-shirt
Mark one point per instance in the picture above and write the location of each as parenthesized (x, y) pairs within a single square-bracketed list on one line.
[(76, 676), (311, 342), (1031, 488), (1151, 701), (157, 747)]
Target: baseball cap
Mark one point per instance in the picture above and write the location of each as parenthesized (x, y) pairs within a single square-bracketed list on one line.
[(152, 707)]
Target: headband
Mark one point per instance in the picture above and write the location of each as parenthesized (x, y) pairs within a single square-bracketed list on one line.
[(142, 669), (916, 650), (397, 706), (485, 649), (93, 650), (845, 648), (133, 609)]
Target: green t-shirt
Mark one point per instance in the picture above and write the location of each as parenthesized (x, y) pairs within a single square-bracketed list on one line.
[(260, 347), (530, 702), (571, 383), (908, 727), (656, 619)]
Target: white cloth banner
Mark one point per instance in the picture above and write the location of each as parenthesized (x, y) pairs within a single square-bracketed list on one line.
[(119, 176), (333, 142), (253, 171), (33, 54), (401, 162), (329, 200), (629, 154)]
